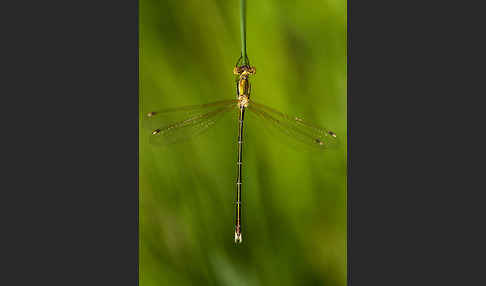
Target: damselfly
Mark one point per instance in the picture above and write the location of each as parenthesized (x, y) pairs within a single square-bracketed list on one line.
[(204, 116)]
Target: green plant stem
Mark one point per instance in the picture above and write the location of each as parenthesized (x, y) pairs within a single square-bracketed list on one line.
[(243, 30)]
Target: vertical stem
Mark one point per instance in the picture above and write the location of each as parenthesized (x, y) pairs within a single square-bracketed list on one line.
[(243, 30)]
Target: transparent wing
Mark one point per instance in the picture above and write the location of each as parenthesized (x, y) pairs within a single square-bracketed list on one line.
[(173, 125), (295, 127)]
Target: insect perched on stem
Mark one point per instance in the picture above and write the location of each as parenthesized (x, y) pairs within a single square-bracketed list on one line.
[(202, 117)]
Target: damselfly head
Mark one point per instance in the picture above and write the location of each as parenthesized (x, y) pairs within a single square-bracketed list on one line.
[(332, 134), (156, 131), (150, 114), (244, 70)]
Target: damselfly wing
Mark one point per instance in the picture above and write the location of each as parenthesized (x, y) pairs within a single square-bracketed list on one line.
[(174, 125)]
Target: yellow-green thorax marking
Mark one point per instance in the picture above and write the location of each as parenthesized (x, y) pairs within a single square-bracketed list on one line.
[(243, 88)]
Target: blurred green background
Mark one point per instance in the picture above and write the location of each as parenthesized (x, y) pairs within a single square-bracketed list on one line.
[(294, 198)]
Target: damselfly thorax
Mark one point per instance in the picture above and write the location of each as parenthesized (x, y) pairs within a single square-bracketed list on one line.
[(243, 87)]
